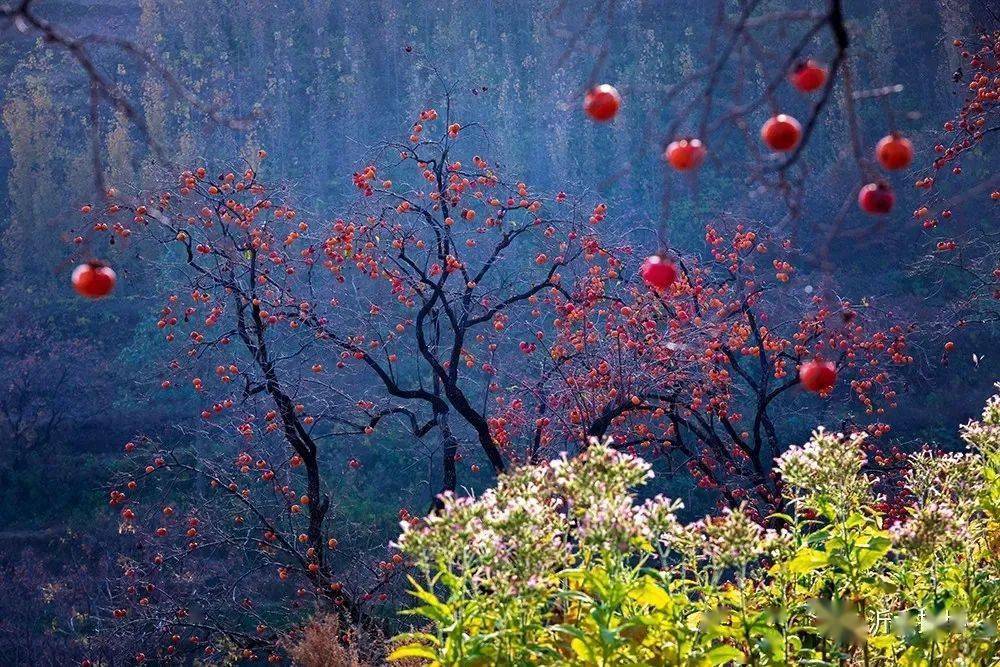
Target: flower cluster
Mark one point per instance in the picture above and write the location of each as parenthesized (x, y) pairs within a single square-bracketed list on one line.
[(984, 435), (928, 528), (826, 471), (596, 486), (956, 478), (731, 539), (662, 530), (507, 542)]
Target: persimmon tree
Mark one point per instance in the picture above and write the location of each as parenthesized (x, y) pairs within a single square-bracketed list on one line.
[(299, 337), (259, 504), (454, 260), (753, 98), (704, 371)]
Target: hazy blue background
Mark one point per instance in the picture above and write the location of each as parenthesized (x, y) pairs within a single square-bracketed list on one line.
[(329, 80)]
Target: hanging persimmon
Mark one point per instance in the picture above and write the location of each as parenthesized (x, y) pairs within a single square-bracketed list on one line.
[(685, 154), (93, 279), (781, 133), (818, 376), (658, 272), (807, 75), (602, 102), (876, 198), (894, 151)]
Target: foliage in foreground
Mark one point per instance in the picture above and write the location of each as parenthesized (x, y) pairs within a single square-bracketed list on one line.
[(560, 564)]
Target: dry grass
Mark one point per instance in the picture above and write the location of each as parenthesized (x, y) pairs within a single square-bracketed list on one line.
[(322, 644), (325, 642)]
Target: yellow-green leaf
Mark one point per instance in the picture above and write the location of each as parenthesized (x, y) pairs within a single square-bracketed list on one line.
[(882, 641), (412, 651), (807, 560), (650, 594), (581, 649)]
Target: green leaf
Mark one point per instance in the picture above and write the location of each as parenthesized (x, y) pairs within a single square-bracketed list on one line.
[(770, 639), (430, 612), (570, 630), (434, 609), (882, 642), (818, 537), (576, 596), (724, 653), (873, 552)]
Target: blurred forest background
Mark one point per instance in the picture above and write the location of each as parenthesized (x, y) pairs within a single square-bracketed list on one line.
[(325, 82)]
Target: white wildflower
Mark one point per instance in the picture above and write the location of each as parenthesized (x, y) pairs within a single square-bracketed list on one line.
[(827, 469)]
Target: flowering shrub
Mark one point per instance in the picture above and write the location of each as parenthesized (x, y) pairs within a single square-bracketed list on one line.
[(561, 564)]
